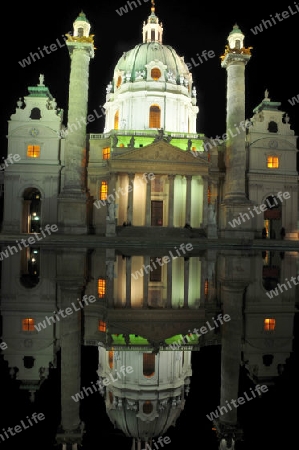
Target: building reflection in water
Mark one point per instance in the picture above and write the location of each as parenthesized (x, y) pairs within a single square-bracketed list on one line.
[(162, 355)]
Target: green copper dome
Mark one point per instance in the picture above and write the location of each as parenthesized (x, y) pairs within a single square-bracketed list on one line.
[(136, 59)]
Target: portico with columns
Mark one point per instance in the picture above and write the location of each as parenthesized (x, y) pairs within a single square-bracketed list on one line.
[(173, 194)]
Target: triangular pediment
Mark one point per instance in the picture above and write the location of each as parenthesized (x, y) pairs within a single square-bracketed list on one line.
[(162, 152)]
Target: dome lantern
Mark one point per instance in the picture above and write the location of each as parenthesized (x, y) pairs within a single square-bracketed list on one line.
[(152, 31)]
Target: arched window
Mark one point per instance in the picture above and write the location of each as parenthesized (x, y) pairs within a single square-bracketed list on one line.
[(272, 127), (35, 114), (118, 81), (155, 73), (31, 215), (30, 267), (147, 407), (155, 116), (116, 120)]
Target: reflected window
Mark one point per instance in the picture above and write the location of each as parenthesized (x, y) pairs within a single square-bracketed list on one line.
[(269, 324), (102, 326), (30, 267), (149, 361), (101, 287), (28, 324), (147, 407), (111, 358)]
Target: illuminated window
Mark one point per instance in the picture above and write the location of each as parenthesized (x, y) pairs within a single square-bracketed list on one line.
[(116, 120), (269, 324), (110, 358), (101, 287), (106, 153), (33, 151), (28, 324), (104, 190), (272, 162), (206, 287), (154, 116), (118, 82), (155, 74), (148, 364), (147, 407), (102, 326)]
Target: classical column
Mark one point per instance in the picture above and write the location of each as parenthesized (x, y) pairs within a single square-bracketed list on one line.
[(205, 201), (146, 262), (171, 200), (169, 284), (188, 199), (70, 344), (186, 282), (128, 281), (110, 283), (130, 197), (148, 203), (72, 202)]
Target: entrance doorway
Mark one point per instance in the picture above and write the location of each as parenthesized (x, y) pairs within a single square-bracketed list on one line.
[(157, 213)]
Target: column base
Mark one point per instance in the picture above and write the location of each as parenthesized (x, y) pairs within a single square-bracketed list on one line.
[(110, 227), (73, 213), (236, 221)]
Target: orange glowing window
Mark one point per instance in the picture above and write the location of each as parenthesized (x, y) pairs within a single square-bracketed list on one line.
[(104, 190), (272, 162), (269, 324), (155, 74), (106, 153), (118, 81), (101, 287), (28, 324), (116, 120), (102, 326), (33, 151), (110, 358), (154, 116)]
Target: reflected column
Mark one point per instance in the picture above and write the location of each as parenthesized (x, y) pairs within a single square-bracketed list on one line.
[(171, 200)]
